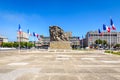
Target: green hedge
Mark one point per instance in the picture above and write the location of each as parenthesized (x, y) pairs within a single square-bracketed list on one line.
[(16, 44), (108, 51), (118, 53)]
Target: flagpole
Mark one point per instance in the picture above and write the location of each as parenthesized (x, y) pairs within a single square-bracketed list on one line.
[(98, 41), (92, 41), (82, 42), (19, 40), (27, 42), (103, 40), (88, 39), (110, 32), (34, 43), (110, 42), (19, 36)]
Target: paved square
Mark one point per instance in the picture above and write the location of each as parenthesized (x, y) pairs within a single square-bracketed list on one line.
[(44, 65)]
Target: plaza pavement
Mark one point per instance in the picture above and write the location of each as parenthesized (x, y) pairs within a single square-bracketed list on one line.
[(58, 65)]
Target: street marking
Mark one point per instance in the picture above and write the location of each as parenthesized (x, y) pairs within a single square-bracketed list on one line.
[(20, 63), (87, 59), (62, 58), (111, 61)]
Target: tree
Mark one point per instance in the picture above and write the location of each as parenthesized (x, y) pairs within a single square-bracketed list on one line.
[(101, 42), (117, 46), (104, 42), (7, 44), (16, 44), (22, 44), (98, 41), (30, 45), (4, 44)]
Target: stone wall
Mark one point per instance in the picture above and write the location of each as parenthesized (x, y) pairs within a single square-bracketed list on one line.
[(60, 45)]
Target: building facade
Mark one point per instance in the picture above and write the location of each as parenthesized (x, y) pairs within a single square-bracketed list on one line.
[(3, 39), (75, 42), (112, 38), (22, 37), (69, 34)]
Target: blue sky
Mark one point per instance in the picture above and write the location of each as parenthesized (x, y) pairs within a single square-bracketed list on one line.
[(77, 16)]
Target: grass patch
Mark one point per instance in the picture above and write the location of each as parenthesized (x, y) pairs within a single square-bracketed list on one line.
[(113, 52), (108, 51)]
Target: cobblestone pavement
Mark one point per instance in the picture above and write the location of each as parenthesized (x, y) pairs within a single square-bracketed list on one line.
[(43, 65)]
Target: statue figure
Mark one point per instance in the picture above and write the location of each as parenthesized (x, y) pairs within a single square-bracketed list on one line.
[(57, 34)]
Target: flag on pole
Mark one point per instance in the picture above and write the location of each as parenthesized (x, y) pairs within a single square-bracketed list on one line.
[(28, 31), (100, 33), (19, 29), (35, 34), (78, 38), (108, 29), (111, 23), (104, 27)]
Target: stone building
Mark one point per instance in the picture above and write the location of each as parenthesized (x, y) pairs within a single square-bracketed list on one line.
[(3, 39), (111, 38), (69, 34), (22, 37)]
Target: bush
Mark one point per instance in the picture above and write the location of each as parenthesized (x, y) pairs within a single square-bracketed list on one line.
[(7, 44), (16, 44), (118, 53), (108, 51)]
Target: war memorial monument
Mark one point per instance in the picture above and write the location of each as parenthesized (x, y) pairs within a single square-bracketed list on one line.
[(58, 39)]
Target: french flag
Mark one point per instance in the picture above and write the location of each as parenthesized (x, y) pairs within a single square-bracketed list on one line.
[(100, 32), (28, 31), (19, 29), (78, 38), (108, 29), (35, 34), (104, 27), (111, 23)]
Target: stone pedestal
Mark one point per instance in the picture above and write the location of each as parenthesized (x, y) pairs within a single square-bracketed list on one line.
[(60, 45)]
